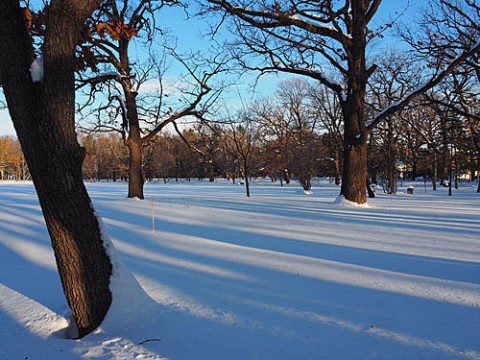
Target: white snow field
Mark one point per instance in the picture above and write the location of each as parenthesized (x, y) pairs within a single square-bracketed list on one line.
[(280, 275)]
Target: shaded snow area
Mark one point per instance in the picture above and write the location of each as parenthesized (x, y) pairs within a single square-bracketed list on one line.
[(276, 276)]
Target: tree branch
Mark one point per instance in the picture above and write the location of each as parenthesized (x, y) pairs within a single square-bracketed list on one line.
[(397, 106)]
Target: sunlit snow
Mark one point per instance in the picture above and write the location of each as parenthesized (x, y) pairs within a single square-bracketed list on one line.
[(279, 275)]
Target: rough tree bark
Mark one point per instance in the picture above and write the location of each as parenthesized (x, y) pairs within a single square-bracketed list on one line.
[(355, 135), (134, 144), (43, 116), (134, 140)]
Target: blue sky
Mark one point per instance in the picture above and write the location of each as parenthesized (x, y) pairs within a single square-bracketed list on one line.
[(188, 33)]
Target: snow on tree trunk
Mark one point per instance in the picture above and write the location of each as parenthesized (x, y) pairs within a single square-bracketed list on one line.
[(43, 116)]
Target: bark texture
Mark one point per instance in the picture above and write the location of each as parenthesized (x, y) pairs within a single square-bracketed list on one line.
[(43, 115), (355, 133)]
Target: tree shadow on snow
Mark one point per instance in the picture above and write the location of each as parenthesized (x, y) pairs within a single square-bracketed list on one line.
[(210, 290)]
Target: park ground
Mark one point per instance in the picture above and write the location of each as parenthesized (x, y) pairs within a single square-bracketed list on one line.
[(279, 275)]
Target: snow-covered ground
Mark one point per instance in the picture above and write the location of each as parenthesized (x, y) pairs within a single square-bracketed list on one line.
[(280, 275)]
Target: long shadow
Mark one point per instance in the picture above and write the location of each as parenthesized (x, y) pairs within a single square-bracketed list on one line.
[(441, 268), (251, 302), (40, 285), (308, 308), (311, 209), (381, 318), (26, 272), (27, 277), (397, 221)]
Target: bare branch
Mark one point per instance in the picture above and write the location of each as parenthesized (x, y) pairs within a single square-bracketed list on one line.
[(397, 106)]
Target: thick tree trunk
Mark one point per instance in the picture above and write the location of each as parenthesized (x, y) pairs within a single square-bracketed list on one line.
[(355, 173), (134, 141), (83, 263), (43, 116), (354, 176), (135, 175)]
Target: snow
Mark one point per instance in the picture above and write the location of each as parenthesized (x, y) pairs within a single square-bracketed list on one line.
[(79, 139), (36, 69), (275, 276), (341, 201)]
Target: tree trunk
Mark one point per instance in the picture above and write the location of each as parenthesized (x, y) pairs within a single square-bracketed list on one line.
[(392, 169), (434, 170), (43, 116), (355, 136), (134, 141), (82, 261), (211, 170), (445, 151), (135, 175), (450, 179), (306, 182), (247, 182), (286, 176), (355, 173), (457, 172), (370, 191), (336, 164)]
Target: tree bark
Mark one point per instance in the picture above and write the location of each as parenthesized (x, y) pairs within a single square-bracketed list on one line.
[(392, 167), (134, 141), (354, 176), (355, 173), (135, 174), (43, 116), (336, 165), (247, 182)]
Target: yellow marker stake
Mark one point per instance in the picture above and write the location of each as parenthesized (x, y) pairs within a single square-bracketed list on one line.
[(153, 216)]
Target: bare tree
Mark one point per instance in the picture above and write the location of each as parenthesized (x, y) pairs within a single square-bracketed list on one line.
[(209, 146), (447, 28), (396, 75), (110, 34), (244, 138), (328, 112), (276, 139), (307, 37), (461, 97), (42, 108), (295, 102)]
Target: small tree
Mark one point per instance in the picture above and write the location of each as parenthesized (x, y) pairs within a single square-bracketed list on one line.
[(244, 137)]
